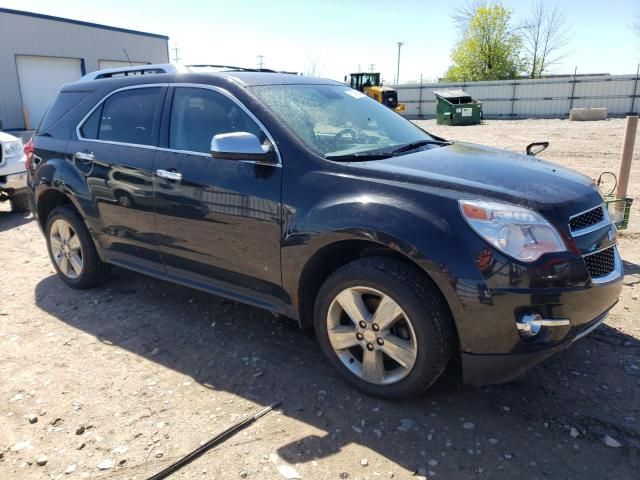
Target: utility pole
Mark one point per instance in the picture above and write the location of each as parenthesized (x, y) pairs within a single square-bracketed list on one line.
[(260, 59), (176, 50), (372, 66), (400, 44)]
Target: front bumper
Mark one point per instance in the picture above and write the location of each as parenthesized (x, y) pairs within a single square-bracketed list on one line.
[(559, 291), (489, 369), (14, 182)]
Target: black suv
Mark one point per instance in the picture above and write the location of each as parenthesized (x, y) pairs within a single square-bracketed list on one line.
[(306, 198)]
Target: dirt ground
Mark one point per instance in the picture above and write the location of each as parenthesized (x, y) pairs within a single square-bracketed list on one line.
[(137, 372)]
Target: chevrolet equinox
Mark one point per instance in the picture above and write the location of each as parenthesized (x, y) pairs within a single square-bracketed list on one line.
[(304, 197)]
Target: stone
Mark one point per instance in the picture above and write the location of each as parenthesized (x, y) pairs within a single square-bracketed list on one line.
[(33, 418), (364, 462), (433, 463), (19, 446), (41, 460), (80, 430), (574, 432), (611, 442), (288, 472), (70, 469), (468, 425), (105, 464), (406, 424)]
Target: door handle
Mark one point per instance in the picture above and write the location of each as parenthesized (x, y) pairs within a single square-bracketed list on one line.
[(85, 156), (169, 175)]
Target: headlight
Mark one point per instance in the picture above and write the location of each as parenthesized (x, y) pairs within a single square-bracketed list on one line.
[(521, 233), (12, 149)]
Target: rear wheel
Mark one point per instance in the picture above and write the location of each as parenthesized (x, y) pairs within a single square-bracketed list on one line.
[(72, 251), (384, 327), (19, 202)]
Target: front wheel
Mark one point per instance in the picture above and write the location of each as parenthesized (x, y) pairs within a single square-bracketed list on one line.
[(384, 327)]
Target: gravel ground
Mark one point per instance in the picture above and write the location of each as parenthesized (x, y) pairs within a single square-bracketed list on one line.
[(132, 375)]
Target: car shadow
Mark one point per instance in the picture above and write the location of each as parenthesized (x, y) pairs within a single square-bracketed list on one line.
[(248, 352), (9, 220), (631, 268)]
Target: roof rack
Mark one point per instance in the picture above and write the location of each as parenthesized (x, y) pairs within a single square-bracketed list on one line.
[(162, 68), (229, 67), (129, 71)]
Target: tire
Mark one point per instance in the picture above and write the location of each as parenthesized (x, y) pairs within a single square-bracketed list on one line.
[(79, 245), (124, 199), (424, 328), (19, 202)]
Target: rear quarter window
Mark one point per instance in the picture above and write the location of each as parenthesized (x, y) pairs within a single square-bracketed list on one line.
[(124, 117), (64, 103)]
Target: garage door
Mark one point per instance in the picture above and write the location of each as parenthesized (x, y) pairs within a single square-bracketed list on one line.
[(104, 64), (41, 79)]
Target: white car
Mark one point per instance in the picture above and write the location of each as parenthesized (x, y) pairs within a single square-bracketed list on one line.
[(13, 175)]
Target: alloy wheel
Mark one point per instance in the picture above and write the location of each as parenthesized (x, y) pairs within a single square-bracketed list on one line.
[(372, 335), (66, 248)]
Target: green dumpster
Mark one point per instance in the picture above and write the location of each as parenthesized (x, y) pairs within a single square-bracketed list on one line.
[(454, 106)]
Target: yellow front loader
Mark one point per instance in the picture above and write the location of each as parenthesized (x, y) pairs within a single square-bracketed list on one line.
[(369, 84)]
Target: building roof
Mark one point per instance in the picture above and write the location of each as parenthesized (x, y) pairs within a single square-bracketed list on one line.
[(80, 22)]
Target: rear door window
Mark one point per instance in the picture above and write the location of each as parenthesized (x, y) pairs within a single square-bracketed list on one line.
[(125, 117)]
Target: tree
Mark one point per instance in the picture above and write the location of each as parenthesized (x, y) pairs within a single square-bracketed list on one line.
[(313, 68), (545, 34), (489, 48)]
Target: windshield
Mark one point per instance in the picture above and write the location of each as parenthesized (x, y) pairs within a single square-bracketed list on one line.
[(337, 120)]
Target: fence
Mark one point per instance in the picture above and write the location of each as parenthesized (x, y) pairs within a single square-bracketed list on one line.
[(552, 97)]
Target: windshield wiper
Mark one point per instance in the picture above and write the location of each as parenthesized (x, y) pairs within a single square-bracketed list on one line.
[(420, 143), (359, 157), (381, 155)]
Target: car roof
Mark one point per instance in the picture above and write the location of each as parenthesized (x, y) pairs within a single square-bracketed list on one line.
[(240, 78)]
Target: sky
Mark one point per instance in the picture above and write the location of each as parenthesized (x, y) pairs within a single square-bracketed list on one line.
[(333, 38)]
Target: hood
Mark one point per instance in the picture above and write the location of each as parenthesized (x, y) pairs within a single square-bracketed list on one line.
[(466, 170)]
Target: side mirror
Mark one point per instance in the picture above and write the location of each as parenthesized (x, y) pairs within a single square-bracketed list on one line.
[(535, 148), (241, 146)]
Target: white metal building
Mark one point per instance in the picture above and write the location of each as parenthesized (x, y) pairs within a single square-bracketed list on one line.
[(40, 53)]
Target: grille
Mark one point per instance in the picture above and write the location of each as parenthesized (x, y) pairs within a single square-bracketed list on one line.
[(587, 219), (602, 263)]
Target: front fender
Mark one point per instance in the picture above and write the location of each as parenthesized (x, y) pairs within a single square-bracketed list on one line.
[(427, 237)]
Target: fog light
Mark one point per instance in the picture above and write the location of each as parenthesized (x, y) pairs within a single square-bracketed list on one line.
[(529, 325)]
